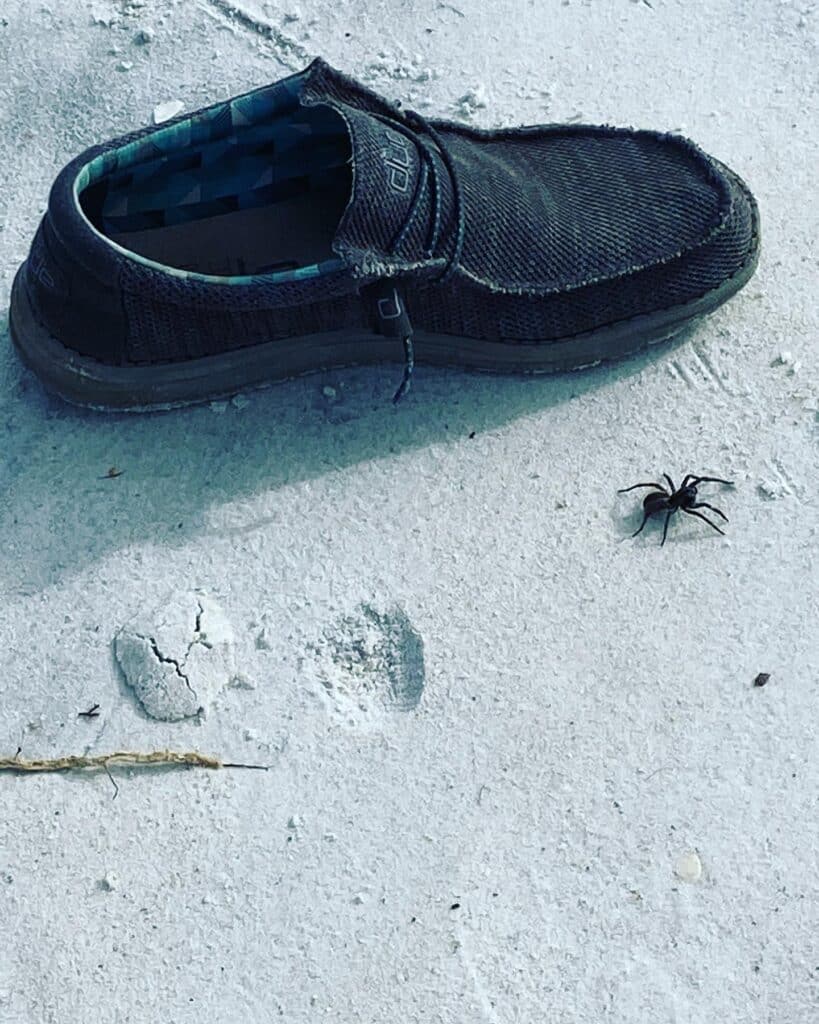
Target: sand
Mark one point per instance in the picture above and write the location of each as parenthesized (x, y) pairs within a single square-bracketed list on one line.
[(519, 771)]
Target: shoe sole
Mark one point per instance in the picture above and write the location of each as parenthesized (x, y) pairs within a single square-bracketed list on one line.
[(86, 382)]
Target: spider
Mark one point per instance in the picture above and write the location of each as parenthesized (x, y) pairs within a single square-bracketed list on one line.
[(674, 500)]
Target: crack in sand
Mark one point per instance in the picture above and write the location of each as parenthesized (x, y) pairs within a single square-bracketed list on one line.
[(160, 657)]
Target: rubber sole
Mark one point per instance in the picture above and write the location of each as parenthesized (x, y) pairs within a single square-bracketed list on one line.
[(89, 383)]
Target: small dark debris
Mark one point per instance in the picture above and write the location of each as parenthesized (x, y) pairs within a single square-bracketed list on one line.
[(762, 678), (472, 434), (413, 920), (112, 473), (455, 906), (92, 712)]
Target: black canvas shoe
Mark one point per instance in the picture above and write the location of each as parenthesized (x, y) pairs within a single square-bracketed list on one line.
[(311, 224)]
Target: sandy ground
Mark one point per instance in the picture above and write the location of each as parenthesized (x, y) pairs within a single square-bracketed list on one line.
[(518, 769)]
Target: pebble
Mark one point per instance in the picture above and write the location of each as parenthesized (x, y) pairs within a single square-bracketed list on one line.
[(264, 641), (241, 682), (125, 65), (770, 490), (109, 882), (144, 36), (474, 99), (786, 358), (165, 111), (688, 867)]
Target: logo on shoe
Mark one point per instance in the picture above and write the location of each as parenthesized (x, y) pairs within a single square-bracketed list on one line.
[(397, 158), (390, 308), (37, 268)]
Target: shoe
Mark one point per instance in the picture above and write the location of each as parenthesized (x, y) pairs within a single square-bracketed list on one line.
[(312, 224)]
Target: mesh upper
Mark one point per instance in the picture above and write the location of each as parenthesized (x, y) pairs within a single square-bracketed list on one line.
[(567, 229)]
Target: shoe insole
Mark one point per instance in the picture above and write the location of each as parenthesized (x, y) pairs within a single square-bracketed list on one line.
[(291, 233)]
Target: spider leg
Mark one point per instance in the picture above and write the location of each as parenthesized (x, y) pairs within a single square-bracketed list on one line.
[(665, 527), (633, 487), (688, 476), (646, 518), (670, 482), (699, 515), (697, 480), (704, 504)]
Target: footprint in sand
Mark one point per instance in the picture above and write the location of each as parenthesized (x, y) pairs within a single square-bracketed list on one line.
[(370, 665)]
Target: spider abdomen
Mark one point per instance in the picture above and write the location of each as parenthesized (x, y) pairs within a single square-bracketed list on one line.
[(655, 502)]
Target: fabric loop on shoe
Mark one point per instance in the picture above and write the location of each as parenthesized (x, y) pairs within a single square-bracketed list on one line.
[(392, 320)]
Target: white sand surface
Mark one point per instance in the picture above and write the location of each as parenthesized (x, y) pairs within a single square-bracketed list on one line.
[(518, 769)]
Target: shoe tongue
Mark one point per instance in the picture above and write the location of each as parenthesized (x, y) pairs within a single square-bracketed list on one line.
[(386, 166), (391, 177)]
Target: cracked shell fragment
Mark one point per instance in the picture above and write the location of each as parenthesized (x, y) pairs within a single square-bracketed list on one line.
[(177, 657)]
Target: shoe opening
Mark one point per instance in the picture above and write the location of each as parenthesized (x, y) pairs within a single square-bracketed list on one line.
[(254, 187)]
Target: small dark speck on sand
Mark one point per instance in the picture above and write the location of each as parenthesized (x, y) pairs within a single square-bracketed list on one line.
[(455, 906), (762, 678)]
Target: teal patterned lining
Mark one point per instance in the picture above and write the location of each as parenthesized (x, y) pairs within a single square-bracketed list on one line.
[(248, 152)]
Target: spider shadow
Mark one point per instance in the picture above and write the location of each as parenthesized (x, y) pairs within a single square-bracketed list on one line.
[(652, 532)]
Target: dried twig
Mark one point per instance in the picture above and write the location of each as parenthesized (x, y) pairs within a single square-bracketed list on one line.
[(129, 758)]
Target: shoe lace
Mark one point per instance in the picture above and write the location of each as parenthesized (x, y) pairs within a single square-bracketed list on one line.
[(428, 139), (416, 127)]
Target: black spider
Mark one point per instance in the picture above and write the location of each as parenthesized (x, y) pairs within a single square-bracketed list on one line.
[(674, 500)]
